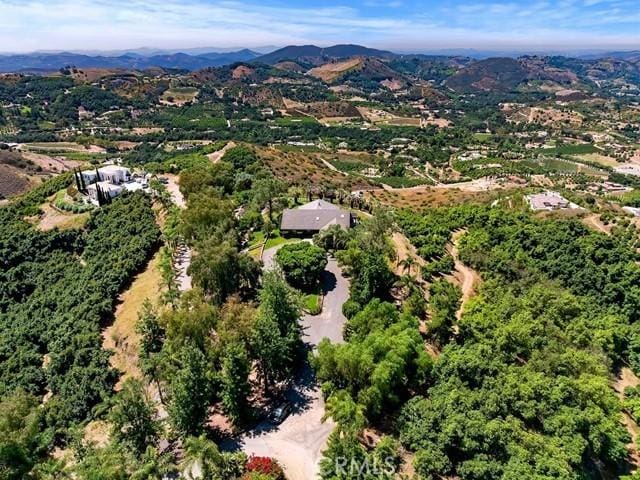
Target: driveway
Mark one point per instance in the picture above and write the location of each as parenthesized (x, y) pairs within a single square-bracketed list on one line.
[(298, 442)]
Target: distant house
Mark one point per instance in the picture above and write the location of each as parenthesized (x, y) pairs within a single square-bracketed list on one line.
[(314, 216), (628, 169), (550, 201)]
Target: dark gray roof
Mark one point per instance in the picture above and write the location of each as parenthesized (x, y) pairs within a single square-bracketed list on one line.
[(315, 216)]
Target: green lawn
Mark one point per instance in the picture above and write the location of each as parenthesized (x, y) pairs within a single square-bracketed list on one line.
[(275, 239), (312, 303)]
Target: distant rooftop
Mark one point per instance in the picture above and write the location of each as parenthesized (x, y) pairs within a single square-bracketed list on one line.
[(315, 216), (318, 205), (549, 201)]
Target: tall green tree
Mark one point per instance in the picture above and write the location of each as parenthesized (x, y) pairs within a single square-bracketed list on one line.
[(220, 270), (236, 388), (276, 340), (302, 263), (266, 190), (191, 392), (23, 439), (132, 418)]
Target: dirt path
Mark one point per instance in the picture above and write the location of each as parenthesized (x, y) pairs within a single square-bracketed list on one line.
[(467, 277), (626, 378), (404, 250), (594, 222), (216, 156)]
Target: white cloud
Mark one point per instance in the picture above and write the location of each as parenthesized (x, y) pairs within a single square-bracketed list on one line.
[(118, 24)]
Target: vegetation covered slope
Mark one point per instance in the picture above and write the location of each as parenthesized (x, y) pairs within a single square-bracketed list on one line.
[(522, 390), (57, 292)]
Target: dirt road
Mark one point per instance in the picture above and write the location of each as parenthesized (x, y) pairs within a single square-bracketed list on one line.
[(467, 277), (216, 156)]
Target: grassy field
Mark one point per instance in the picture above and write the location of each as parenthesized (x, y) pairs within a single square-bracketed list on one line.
[(481, 137), (312, 303), (599, 158), (349, 165)]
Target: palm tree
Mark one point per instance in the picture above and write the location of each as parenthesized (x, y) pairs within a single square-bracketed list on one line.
[(407, 263), (345, 412), (407, 284), (296, 192), (203, 459)]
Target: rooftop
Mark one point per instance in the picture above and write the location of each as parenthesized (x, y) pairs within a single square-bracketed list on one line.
[(315, 216)]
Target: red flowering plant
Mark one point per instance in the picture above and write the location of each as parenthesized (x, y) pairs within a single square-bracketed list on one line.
[(266, 466)]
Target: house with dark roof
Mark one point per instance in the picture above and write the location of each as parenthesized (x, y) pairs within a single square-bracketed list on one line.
[(313, 217)]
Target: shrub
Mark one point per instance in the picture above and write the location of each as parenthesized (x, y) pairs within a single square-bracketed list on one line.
[(302, 263), (350, 308), (265, 466)]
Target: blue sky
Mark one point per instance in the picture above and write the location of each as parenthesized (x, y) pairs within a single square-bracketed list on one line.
[(401, 25)]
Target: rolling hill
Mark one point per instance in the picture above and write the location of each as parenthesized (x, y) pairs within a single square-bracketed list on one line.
[(314, 55)]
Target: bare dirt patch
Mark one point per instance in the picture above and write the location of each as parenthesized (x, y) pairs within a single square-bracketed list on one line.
[(404, 250), (51, 164), (308, 169), (13, 181), (429, 197), (63, 147), (242, 71), (594, 222), (331, 71)]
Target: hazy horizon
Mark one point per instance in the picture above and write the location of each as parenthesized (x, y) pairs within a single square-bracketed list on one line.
[(397, 25)]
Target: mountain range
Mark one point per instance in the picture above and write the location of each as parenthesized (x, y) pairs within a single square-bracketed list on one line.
[(48, 62), (332, 63)]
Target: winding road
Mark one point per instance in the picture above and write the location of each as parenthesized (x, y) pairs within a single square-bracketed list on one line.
[(298, 442)]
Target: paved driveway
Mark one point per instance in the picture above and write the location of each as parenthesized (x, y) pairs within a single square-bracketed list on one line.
[(298, 442)]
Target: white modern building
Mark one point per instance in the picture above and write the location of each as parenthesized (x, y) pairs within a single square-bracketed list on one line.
[(114, 174), (107, 188)]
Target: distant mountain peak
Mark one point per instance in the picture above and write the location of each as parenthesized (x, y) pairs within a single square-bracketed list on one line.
[(313, 53)]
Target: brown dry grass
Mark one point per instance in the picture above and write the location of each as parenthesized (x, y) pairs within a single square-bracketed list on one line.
[(121, 337), (52, 218), (429, 197), (331, 71), (307, 169)]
